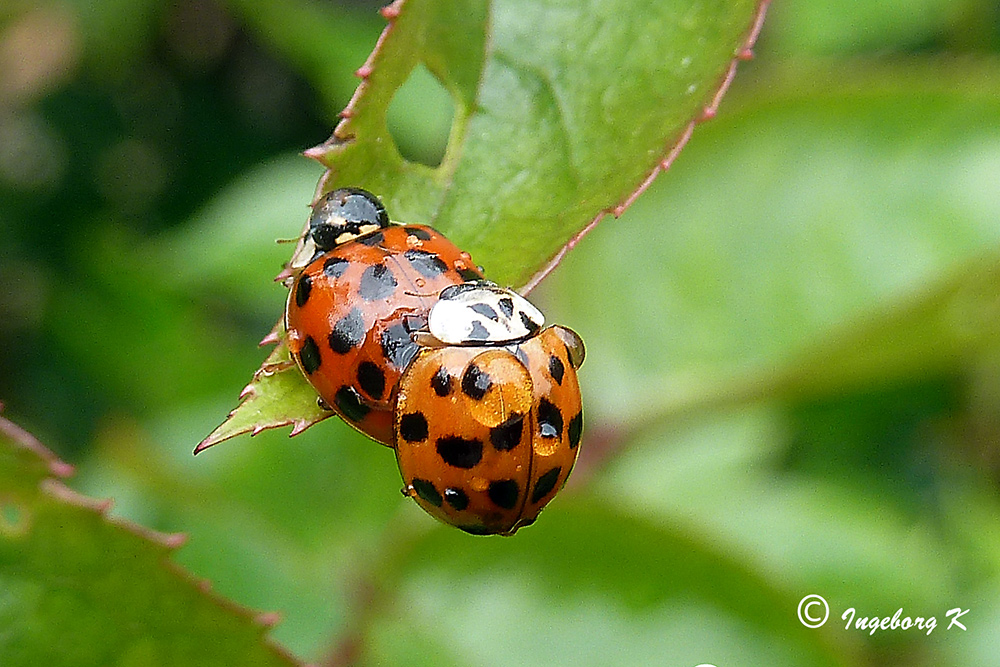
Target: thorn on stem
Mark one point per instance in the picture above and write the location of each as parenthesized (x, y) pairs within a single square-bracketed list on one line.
[(175, 540), (267, 619), (316, 152)]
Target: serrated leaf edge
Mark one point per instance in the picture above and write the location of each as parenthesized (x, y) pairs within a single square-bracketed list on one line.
[(170, 542), (249, 392), (673, 149), (29, 442), (341, 133)]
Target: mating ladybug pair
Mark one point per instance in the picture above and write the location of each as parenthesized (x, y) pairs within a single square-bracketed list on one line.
[(401, 336)]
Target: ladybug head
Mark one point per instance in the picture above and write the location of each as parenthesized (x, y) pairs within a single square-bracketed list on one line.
[(343, 215)]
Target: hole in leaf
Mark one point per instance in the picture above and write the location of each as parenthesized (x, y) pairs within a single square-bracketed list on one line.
[(420, 116)]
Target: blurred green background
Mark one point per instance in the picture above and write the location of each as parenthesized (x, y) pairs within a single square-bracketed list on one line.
[(793, 372)]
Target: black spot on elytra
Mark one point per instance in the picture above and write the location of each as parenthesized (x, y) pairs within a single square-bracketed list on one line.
[(504, 493), (506, 305), (575, 430), (550, 421), (507, 435), (420, 233), (456, 498), (348, 332), (397, 346), (371, 379), (442, 382), (335, 267), (426, 491), (478, 332), (302, 290), (460, 452), (485, 310), (348, 401), (413, 427), (476, 530), (377, 282), (309, 356), (372, 239), (545, 484), (475, 382), (426, 263), (556, 369), (528, 323)]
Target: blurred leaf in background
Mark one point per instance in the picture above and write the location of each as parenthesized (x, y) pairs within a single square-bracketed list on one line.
[(792, 379)]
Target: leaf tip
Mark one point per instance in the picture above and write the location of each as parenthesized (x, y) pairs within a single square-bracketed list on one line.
[(204, 444)]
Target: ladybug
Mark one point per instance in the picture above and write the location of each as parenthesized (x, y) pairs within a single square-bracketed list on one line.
[(361, 286), (487, 429)]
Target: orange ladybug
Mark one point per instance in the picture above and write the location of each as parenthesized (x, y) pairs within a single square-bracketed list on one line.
[(363, 286), (487, 430)]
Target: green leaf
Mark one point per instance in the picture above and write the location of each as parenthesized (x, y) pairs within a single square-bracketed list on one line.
[(80, 589), (563, 111)]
